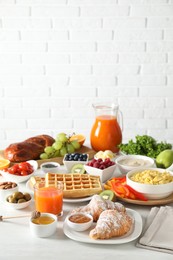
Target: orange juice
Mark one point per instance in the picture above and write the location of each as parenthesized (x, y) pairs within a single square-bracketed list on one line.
[(106, 134), (49, 199)]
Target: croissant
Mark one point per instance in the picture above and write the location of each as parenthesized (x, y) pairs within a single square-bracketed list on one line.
[(111, 223), (30, 149), (97, 205)]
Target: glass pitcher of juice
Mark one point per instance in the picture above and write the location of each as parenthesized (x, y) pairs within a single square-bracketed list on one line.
[(106, 133)]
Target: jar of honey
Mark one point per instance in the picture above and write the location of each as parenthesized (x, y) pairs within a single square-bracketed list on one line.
[(106, 133)]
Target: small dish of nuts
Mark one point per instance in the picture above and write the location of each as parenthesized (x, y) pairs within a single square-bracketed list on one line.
[(18, 200), (7, 188)]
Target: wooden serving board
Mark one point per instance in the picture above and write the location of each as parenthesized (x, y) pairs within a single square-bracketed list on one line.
[(164, 201), (83, 149)]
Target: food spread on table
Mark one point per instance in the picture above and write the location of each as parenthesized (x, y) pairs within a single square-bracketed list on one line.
[(110, 217)]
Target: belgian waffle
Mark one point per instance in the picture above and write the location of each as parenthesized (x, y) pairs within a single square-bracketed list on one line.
[(76, 185)]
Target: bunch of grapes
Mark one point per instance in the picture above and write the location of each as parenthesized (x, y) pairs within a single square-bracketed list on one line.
[(60, 147)]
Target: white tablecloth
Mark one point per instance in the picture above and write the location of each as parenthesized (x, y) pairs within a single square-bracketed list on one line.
[(16, 241)]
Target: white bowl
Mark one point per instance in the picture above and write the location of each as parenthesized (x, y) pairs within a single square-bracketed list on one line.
[(79, 226), (18, 179), (128, 163), (105, 174), (50, 167), (70, 164), (44, 230), (150, 191), (4, 193), (18, 205)]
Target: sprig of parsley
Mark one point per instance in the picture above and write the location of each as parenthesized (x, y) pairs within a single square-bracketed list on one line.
[(144, 145)]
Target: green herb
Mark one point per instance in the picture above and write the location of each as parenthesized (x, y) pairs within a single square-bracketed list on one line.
[(144, 145)]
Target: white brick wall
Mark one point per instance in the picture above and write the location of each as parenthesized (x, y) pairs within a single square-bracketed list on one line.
[(57, 57)]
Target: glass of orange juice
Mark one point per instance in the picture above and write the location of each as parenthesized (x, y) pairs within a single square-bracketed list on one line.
[(49, 198)]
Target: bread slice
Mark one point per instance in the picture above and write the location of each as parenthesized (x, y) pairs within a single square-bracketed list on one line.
[(35, 179)]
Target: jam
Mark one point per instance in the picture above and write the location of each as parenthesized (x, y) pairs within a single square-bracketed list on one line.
[(79, 218)]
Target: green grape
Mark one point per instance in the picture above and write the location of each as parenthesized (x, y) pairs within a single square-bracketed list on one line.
[(62, 137), (75, 144), (43, 156), (63, 151), (70, 148), (56, 154), (57, 145), (49, 150)]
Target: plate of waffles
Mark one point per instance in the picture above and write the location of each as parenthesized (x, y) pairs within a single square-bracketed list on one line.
[(76, 187)]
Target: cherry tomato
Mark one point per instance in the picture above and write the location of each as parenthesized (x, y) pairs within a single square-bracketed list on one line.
[(21, 169), (24, 173), (13, 169)]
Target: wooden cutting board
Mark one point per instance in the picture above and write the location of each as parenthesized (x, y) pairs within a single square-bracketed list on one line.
[(159, 202), (83, 149)]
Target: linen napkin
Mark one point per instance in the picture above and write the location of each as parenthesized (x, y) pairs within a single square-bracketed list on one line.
[(157, 233)]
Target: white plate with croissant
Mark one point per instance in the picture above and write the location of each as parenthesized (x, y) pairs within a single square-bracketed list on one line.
[(114, 224)]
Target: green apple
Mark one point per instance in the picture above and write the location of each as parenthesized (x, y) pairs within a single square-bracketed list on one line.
[(164, 159)]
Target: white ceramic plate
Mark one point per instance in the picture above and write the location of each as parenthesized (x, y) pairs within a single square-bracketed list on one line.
[(77, 200), (130, 236), (29, 187)]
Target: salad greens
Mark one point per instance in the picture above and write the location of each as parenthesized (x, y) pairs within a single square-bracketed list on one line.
[(144, 145)]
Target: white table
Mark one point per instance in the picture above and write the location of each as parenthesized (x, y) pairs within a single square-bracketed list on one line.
[(16, 241)]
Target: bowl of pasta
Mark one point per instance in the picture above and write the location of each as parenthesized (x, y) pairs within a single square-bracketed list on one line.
[(153, 183)]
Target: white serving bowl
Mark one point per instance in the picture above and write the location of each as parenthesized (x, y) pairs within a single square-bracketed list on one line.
[(150, 191), (44, 230), (79, 226), (17, 205), (134, 162), (18, 179), (105, 174), (69, 164), (50, 167), (4, 193)]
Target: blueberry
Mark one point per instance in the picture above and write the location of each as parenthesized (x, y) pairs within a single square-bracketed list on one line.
[(85, 157), (67, 157), (76, 158)]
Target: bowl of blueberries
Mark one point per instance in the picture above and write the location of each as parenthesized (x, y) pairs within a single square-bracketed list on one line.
[(74, 162)]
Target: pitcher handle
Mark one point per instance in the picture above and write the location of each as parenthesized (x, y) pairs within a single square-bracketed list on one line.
[(120, 120)]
